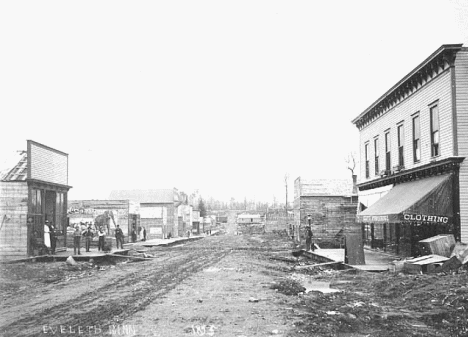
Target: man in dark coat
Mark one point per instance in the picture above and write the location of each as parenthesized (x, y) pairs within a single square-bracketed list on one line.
[(134, 234), (77, 240), (88, 234), (309, 236), (119, 237)]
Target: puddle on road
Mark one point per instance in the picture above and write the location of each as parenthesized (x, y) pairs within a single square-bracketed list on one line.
[(211, 270), (312, 285)]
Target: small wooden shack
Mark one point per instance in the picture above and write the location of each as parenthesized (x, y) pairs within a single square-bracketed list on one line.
[(329, 204), (33, 190)]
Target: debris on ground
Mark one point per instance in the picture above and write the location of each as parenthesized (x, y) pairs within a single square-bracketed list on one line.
[(367, 304), (288, 287), (424, 264), (71, 261)]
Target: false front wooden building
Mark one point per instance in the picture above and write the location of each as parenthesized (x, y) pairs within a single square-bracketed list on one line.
[(33, 192)]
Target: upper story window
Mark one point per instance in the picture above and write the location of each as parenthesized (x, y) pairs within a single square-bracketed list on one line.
[(376, 156), (366, 155), (416, 139), (435, 132), (401, 141), (388, 157)]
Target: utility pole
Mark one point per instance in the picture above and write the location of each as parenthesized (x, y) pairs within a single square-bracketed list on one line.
[(286, 177)]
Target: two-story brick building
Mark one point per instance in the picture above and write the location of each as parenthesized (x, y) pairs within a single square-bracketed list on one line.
[(413, 145)]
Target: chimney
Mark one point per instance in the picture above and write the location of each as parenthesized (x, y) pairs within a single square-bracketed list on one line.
[(355, 189)]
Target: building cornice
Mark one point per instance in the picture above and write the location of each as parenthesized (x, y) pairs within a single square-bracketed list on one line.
[(434, 168), (437, 63), (47, 184)]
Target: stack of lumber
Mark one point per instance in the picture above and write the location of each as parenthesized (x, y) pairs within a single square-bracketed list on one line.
[(424, 264)]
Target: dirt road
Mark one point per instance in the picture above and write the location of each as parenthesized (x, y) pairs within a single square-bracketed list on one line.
[(124, 299), (226, 285)]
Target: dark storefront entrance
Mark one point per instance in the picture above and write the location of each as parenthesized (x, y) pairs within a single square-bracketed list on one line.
[(410, 212), (47, 202)]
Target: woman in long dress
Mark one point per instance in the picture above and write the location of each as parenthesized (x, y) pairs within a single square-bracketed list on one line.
[(47, 234)]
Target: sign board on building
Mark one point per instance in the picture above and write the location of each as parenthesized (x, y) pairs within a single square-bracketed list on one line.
[(151, 212), (155, 230), (47, 164)]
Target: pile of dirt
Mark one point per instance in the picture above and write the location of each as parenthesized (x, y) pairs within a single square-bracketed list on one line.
[(386, 304), (288, 287)]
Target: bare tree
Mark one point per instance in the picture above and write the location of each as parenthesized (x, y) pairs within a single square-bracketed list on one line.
[(351, 162)]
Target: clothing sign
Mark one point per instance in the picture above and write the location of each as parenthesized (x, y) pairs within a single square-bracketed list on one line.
[(426, 218)]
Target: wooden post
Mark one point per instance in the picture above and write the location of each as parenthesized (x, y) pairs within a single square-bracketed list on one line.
[(354, 246)]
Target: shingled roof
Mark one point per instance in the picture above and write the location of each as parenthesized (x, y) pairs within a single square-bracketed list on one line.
[(15, 167), (326, 187), (146, 196)]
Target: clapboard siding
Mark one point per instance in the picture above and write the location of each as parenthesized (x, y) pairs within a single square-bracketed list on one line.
[(329, 214), (439, 89), (13, 217), (461, 77)]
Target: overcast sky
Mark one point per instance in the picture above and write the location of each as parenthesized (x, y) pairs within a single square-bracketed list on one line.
[(221, 96)]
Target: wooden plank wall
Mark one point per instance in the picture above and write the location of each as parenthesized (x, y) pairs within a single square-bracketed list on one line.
[(152, 223), (461, 77), (330, 214), (13, 217)]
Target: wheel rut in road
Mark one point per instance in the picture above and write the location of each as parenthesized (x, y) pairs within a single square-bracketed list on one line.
[(141, 284)]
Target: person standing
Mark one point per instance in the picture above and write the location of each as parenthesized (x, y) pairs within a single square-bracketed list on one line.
[(33, 242), (102, 237), (309, 236), (144, 234), (134, 234), (119, 237), (77, 240), (53, 239), (47, 235), (88, 234)]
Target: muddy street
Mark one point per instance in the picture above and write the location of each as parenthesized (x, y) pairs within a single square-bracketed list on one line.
[(226, 285), (94, 299)]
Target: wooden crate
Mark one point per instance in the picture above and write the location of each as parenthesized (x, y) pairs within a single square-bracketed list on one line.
[(438, 245)]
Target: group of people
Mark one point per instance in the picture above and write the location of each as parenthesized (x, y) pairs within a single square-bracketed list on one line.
[(88, 235), (49, 242)]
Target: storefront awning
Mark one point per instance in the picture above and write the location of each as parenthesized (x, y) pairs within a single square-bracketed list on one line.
[(424, 200)]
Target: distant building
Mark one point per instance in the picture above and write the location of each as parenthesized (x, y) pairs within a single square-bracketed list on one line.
[(414, 141), (330, 203), (196, 221), (107, 214), (33, 190), (249, 219), (250, 223), (158, 210)]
